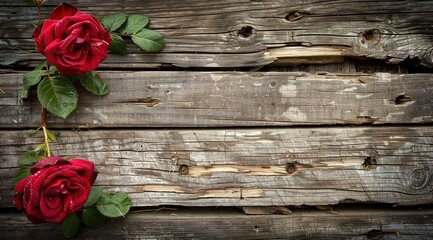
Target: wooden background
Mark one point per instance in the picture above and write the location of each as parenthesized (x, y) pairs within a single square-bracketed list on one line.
[(315, 114)]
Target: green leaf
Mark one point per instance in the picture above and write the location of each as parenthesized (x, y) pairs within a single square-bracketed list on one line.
[(117, 45), (70, 225), (93, 218), (94, 83), (148, 40), (58, 95), (52, 136), (113, 21), (134, 23), (116, 205), (73, 79), (39, 147), (94, 196), (30, 79), (20, 174), (33, 131), (29, 159), (52, 69), (41, 65)]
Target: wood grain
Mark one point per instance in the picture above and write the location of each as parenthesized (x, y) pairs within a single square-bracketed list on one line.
[(227, 34), (214, 99), (359, 223), (249, 167)]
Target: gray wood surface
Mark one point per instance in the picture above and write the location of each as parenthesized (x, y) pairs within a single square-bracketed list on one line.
[(358, 223), (233, 34), (269, 142), (214, 99), (247, 167)]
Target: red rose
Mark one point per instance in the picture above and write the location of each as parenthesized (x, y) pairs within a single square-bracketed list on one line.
[(73, 41), (55, 189)]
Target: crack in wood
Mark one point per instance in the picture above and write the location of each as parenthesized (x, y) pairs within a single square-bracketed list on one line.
[(146, 101)]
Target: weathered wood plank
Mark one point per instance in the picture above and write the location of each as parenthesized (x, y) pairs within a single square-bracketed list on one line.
[(193, 99), (257, 167), (209, 33), (229, 224)]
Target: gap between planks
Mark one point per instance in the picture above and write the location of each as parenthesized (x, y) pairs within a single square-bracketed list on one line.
[(223, 223)]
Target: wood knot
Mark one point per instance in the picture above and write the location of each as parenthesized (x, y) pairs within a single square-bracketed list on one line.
[(419, 178), (246, 31), (243, 32), (183, 169), (291, 167), (294, 16), (370, 37)]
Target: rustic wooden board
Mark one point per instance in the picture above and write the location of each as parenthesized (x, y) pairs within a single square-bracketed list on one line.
[(249, 167), (232, 34), (196, 99), (359, 223)]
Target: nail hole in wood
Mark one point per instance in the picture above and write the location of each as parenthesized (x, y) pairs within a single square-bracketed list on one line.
[(369, 163), (183, 169), (174, 158), (246, 31), (375, 234), (402, 99), (273, 84), (290, 167)]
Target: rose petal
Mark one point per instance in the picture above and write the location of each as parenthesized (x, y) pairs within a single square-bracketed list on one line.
[(32, 211), (37, 31), (46, 35), (51, 206), (88, 169), (37, 183), (18, 199), (63, 10), (48, 161), (72, 38), (85, 25)]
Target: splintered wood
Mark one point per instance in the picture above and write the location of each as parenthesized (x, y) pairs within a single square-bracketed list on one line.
[(215, 99), (234, 34), (265, 167)]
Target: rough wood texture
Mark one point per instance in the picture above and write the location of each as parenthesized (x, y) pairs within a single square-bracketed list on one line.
[(228, 224), (257, 167), (196, 99), (232, 34)]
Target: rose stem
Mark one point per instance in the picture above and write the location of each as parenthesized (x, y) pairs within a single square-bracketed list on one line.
[(44, 128), (43, 121), (124, 35), (39, 4)]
